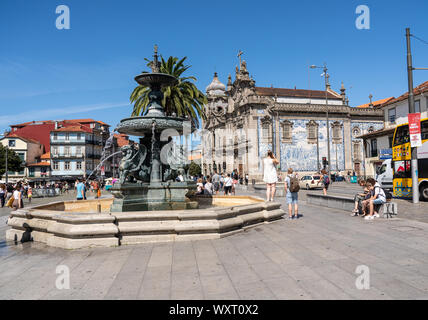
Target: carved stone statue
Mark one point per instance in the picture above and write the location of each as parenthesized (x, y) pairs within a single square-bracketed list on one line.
[(131, 166)]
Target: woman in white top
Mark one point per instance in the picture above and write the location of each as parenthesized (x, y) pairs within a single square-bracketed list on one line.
[(200, 186), (17, 200), (270, 176)]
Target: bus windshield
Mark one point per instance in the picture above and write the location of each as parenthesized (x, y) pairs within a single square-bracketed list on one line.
[(401, 135)]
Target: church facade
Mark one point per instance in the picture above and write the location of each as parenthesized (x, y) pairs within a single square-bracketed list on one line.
[(245, 121)]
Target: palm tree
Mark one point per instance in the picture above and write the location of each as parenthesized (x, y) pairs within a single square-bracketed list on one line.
[(184, 99)]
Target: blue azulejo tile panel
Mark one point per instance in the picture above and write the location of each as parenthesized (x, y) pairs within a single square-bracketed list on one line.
[(302, 155)]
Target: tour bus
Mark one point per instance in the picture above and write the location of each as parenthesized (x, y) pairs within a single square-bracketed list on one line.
[(401, 158)]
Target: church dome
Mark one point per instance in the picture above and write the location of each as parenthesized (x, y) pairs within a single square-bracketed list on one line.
[(216, 88)]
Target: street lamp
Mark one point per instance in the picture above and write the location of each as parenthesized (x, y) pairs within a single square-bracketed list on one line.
[(325, 74)]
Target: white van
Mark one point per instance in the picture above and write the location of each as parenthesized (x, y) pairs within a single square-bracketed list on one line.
[(384, 174)]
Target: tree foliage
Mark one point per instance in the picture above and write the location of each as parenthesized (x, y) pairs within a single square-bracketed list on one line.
[(14, 162), (194, 169), (184, 99)]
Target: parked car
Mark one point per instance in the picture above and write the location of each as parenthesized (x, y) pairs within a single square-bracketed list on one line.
[(310, 182), (335, 177)]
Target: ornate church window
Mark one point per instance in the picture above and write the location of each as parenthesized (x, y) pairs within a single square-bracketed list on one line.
[(357, 151), (312, 131), (287, 127), (265, 130), (265, 123), (336, 128)]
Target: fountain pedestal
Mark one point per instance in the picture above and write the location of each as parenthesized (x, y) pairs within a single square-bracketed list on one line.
[(154, 196)]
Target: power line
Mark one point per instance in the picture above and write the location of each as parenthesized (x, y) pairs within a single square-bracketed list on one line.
[(426, 42)]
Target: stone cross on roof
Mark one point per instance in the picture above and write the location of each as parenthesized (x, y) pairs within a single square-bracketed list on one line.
[(240, 53)]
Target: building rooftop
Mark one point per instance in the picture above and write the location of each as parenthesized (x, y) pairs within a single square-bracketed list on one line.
[(14, 135), (39, 164), (46, 155), (296, 93), (423, 87), (74, 128), (376, 104), (122, 139)]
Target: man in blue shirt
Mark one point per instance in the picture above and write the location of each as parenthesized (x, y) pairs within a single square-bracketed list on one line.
[(80, 190)]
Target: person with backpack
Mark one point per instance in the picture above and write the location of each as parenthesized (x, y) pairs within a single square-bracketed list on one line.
[(378, 198), (325, 181), (292, 187)]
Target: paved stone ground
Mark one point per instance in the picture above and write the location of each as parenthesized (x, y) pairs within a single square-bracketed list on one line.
[(314, 257)]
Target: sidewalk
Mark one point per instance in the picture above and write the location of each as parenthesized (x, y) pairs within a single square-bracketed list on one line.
[(314, 257)]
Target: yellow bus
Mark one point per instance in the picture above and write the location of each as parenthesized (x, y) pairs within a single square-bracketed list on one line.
[(401, 158)]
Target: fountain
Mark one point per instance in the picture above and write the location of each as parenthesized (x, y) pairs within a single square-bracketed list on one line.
[(146, 182), (148, 204)]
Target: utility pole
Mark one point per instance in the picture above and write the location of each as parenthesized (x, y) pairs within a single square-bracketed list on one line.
[(411, 100), (328, 126), (7, 155)]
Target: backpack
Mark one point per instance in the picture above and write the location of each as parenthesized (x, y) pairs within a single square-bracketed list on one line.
[(388, 195), (326, 179), (294, 184)]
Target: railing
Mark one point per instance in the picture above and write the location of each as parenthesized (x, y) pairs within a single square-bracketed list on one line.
[(41, 193), (67, 155), (54, 142)]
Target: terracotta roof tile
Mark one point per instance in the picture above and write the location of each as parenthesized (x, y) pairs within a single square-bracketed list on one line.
[(377, 103), (423, 87), (39, 164), (122, 139), (14, 135), (78, 128), (46, 155)]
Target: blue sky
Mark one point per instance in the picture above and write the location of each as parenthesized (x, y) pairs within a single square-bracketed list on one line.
[(88, 71)]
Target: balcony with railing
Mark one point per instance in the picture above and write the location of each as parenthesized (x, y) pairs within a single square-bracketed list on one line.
[(93, 156), (67, 155)]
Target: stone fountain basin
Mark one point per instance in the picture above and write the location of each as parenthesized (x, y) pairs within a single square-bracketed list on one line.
[(138, 126), (88, 223)]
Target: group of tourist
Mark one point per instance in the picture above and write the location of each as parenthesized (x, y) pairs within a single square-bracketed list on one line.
[(368, 202), (291, 184), (219, 182), (12, 195)]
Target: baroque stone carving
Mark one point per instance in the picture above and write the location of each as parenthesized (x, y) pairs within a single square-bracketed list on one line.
[(131, 166)]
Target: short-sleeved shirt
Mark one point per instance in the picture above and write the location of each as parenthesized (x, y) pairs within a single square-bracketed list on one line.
[(228, 181), (216, 178), (288, 182), (208, 189), (379, 193), (80, 190)]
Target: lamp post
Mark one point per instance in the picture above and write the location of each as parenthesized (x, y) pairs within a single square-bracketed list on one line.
[(326, 105)]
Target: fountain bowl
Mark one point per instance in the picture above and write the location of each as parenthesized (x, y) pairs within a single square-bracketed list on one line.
[(138, 126), (156, 80)]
